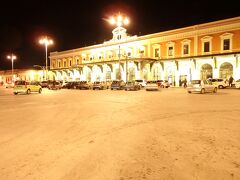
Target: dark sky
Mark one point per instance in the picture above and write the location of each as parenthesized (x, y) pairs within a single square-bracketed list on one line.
[(73, 24)]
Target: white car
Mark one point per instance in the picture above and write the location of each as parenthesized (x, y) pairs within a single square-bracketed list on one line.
[(9, 85), (201, 86), (237, 84), (141, 82), (152, 86), (220, 83)]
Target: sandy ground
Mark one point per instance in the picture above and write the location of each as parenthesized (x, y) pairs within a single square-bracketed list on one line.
[(118, 135)]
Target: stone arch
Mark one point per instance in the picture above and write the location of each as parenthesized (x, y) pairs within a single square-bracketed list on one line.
[(145, 71), (97, 74), (108, 71), (206, 71), (157, 71), (118, 72), (87, 73), (225, 70), (132, 69)]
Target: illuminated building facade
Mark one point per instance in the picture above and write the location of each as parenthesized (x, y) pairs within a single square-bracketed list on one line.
[(195, 52), (21, 74)]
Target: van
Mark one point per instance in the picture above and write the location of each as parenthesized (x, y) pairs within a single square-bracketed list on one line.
[(26, 87)]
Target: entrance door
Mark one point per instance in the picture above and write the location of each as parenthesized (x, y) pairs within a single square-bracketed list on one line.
[(206, 71), (226, 70)]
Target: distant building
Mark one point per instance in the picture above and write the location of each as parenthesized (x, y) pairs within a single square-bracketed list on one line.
[(20, 74)]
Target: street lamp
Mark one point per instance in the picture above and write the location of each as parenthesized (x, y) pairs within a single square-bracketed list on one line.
[(46, 41), (12, 57), (119, 21), (42, 67)]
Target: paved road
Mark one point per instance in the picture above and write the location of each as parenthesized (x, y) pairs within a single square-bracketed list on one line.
[(73, 134)]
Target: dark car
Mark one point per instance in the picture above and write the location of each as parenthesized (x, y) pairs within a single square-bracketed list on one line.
[(71, 85), (132, 85), (118, 84), (44, 84), (54, 85)]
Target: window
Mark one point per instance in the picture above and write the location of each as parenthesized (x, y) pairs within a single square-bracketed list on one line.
[(100, 57), (170, 51), (185, 49), (53, 65), (59, 64), (77, 61), (129, 54), (206, 44), (70, 63), (226, 44), (157, 53), (206, 47), (64, 64), (119, 37), (156, 50)]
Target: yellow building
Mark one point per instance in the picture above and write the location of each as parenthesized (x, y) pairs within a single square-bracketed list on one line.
[(194, 52), (23, 74)]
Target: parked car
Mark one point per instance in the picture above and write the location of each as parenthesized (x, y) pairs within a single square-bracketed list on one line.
[(26, 87), (132, 85), (117, 84), (44, 84), (54, 85), (151, 86), (84, 85), (66, 85), (72, 85), (141, 82), (201, 86), (237, 83), (163, 83), (9, 84), (99, 85), (220, 83)]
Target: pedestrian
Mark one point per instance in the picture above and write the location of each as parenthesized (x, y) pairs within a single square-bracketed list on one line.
[(230, 81), (185, 83)]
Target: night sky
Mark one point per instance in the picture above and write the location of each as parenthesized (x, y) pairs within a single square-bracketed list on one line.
[(74, 24)]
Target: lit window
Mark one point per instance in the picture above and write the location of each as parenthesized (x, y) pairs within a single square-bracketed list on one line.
[(156, 53), (226, 44), (226, 41), (170, 51), (185, 49)]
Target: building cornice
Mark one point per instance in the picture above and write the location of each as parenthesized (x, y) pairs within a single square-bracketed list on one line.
[(220, 26)]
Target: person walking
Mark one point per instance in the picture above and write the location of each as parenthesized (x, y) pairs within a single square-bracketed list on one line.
[(185, 83), (230, 81)]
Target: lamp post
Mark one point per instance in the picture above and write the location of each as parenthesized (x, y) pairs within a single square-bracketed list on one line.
[(42, 67), (119, 21), (46, 42), (12, 57)]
